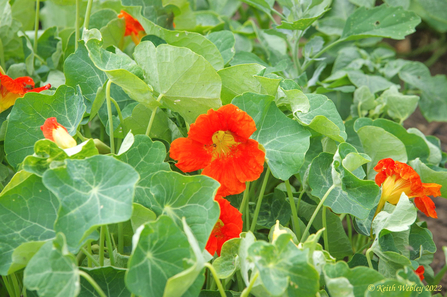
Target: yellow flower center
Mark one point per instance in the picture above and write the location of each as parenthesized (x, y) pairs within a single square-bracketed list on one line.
[(223, 141), (393, 187)]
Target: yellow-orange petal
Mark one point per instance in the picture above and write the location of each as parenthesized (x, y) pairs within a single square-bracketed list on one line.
[(8, 100), (191, 155), (57, 133)]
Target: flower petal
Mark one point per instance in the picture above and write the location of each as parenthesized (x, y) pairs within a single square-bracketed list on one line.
[(426, 205), (191, 155)]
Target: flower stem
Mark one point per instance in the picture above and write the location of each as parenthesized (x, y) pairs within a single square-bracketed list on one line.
[(118, 110), (295, 52), (109, 245), (36, 25), (243, 208), (151, 121), (101, 246), (296, 224), (259, 202), (15, 284), (78, 8), (316, 212), (109, 114), (120, 238), (9, 288), (325, 235), (93, 283), (368, 258), (216, 279), (89, 256), (305, 65), (247, 290), (87, 14)]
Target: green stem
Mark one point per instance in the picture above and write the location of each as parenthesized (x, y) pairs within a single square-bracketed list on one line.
[(78, 7), (109, 246), (436, 55), (93, 283), (295, 52), (247, 290), (259, 202), (8, 286), (348, 223), (325, 234), (245, 197), (88, 13), (316, 212), (89, 250), (240, 281), (118, 110), (305, 65), (15, 284), (296, 224), (368, 258), (101, 246), (81, 136), (90, 258), (87, 132), (216, 279), (439, 276), (120, 238), (360, 250), (151, 121), (109, 114), (36, 25)]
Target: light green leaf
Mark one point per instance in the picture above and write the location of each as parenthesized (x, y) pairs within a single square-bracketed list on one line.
[(435, 155), (381, 21), (152, 10), (101, 18), (123, 71), (364, 3), (192, 197), (225, 42), (323, 117), (141, 215), (375, 83), (284, 154), (187, 83), (380, 144), (146, 157), (364, 100), (399, 106), (181, 282), (228, 262), (331, 25), (110, 280), (351, 194), (160, 249), (22, 10), (194, 41), (113, 33), (184, 17), (284, 268), (21, 204), (263, 5), (359, 278), (247, 239), (432, 102), (239, 79), (53, 271), (31, 111), (312, 13), (49, 47), (431, 174), (95, 191)]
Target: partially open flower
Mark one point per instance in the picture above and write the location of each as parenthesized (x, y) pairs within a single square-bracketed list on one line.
[(133, 27), (11, 89), (420, 272), (57, 133), (228, 226), (219, 143), (397, 178)]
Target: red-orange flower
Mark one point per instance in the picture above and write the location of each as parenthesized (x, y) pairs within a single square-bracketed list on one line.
[(396, 177), (133, 27), (57, 133), (11, 89), (219, 142), (420, 272), (227, 227)]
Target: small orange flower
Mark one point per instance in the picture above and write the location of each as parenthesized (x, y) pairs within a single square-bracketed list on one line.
[(219, 143), (396, 177), (133, 27), (227, 227), (57, 133), (11, 89), (420, 272)]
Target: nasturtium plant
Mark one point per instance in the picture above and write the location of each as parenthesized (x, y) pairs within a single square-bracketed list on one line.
[(224, 148)]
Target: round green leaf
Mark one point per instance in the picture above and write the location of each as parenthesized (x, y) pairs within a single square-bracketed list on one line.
[(110, 280), (94, 191)]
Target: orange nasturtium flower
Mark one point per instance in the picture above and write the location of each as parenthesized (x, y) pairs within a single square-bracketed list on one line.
[(396, 177), (228, 226), (57, 133), (420, 272), (133, 27), (219, 143), (11, 89)]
